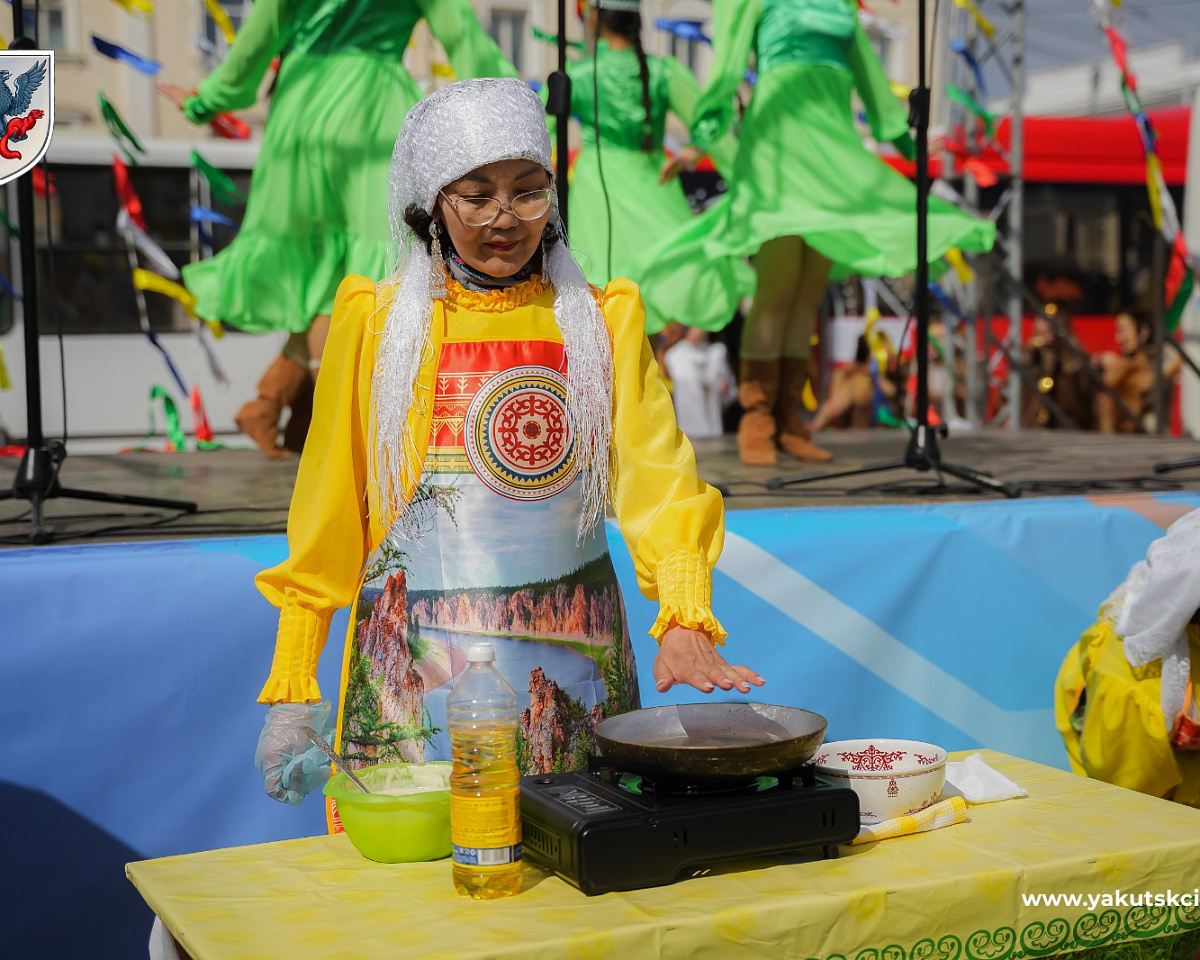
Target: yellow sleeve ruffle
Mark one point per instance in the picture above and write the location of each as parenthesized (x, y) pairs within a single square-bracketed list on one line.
[(672, 521), (328, 529), (1123, 739)]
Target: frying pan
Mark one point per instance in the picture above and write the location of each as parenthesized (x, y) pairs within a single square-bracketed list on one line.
[(710, 741)]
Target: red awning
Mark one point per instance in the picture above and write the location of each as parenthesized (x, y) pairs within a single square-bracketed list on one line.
[(1086, 149)]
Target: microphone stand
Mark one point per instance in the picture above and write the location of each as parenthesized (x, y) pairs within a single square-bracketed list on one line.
[(558, 105), (37, 474)]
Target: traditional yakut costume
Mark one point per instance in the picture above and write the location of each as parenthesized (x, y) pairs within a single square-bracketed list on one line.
[(467, 437)]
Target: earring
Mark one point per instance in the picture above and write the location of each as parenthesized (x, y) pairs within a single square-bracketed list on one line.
[(437, 280)]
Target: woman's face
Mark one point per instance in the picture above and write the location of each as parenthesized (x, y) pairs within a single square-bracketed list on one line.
[(505, 245), (1126, 333)]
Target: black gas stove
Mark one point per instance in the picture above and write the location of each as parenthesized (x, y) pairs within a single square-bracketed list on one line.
[(605, 830)]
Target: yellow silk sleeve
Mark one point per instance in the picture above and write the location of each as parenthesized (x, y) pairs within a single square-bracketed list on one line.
[(672, 521), (328, 530), (1124, 738)]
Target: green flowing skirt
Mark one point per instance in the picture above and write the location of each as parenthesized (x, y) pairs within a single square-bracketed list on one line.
[(317, 208), (801, 170), (635, 213)]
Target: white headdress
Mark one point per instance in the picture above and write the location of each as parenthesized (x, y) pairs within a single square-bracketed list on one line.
[(448, 134)]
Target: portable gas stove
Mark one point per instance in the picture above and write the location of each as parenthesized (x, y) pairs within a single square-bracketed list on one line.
[(605, 830)]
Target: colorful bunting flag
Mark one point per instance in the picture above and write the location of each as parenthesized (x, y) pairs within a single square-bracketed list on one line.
[(968, 101), (43, 182), (137, 6), (961, 49), (8, 288), (221, 18), (962, 269), (176, 440), (115, 52), (141, 241), (684, 29), (1181, 282), (125, 192), (1180, 278), (222, 186), (229, 127), (553, 38), (145, 280), (202, 214), (984, 175), (1121, 56), (981, 21), (127, 142), (200, 425), (157, 344)]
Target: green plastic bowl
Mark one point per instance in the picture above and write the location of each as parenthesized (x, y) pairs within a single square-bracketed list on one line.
[(406, 816)]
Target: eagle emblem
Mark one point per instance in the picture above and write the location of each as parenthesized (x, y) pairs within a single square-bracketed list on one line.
[(26, 109)]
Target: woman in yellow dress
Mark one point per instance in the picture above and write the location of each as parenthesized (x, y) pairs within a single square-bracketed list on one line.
[(476, 414), (1125, 698)]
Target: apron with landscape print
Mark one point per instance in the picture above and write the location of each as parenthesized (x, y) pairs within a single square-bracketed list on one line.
[(497, 557)]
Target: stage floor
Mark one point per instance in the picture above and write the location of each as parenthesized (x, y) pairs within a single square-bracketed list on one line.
[(238, 492)]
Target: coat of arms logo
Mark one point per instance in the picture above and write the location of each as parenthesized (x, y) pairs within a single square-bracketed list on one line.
[(26, 109)]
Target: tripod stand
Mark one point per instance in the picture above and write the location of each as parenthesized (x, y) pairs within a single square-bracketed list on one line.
[(37, 473), (922, 453)]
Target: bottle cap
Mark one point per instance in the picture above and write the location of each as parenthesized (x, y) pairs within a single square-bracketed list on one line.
[(481, 653)]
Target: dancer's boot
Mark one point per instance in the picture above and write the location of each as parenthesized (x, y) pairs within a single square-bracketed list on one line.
[(756, 393), (794, 437), (296, 431), (259, 419)]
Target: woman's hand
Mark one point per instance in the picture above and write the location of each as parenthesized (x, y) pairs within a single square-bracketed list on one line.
[(688, 656), (687, 157), (176, 94)]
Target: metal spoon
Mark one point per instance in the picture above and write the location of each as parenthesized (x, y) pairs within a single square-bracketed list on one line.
[(333, 755)]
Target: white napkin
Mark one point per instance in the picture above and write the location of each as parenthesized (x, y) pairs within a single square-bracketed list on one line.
[(976, 782)]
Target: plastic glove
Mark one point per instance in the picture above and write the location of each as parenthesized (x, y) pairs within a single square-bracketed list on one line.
[(291, 765)]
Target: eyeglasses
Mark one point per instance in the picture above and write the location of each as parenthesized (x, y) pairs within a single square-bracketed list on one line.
[(481, 211)]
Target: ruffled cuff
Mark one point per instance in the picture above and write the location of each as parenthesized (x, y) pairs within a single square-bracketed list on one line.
[(302, 634), (685, 596), (196, 112)]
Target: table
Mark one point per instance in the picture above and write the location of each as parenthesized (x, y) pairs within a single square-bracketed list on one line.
[(950, 894)]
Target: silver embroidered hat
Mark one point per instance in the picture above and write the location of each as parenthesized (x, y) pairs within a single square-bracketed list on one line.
[(473, 122), (461, 127)]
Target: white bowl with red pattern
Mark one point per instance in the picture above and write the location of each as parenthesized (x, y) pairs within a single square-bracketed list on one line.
[(891, 777)]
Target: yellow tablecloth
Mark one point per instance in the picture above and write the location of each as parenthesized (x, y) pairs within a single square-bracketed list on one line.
[(951, 894)]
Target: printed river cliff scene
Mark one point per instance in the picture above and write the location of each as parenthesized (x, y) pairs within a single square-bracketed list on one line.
[(553, 610)]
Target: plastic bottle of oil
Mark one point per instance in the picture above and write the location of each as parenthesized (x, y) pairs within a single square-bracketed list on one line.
[(485, 809)]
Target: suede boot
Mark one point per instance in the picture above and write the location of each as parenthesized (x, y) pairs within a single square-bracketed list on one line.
[(757, 391), (259, 419), (296, 431), (794, 437)]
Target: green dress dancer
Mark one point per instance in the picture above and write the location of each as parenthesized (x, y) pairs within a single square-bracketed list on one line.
[(318, 195), (804, 196), (615, 188)]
